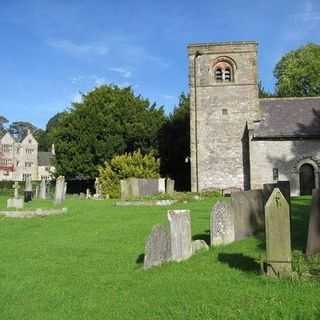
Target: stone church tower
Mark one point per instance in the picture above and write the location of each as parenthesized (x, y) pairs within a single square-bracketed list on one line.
[(224, 107)]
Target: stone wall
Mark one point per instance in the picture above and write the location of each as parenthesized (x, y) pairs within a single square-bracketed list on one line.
[(220, 113), (286, 156)]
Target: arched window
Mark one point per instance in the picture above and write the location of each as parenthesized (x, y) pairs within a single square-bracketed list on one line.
[(223, 70)]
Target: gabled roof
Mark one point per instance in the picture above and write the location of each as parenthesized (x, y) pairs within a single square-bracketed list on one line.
[(289, 118)]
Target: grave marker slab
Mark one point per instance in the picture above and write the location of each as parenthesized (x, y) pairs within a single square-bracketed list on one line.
[(59, 192), (180, 233), (157, 247), (278, 237), (43, 190), (222, 224)]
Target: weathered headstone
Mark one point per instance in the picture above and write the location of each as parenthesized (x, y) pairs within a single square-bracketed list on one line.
[(88, 194), (313, 243), (284, 187), (180, 234), (248, 212), (222, 224), (43, 190), (15, 202), (169, 186), (157, 247), (161, 185), (28, 190), (97, 185), (59, 192), (278, 238)]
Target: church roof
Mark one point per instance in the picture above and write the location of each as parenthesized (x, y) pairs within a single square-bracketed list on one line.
[(289, 118)]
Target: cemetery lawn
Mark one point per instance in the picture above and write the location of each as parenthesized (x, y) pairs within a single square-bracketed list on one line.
[(87, 264)]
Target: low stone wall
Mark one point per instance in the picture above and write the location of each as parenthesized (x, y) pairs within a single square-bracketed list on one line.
[(33, 213)]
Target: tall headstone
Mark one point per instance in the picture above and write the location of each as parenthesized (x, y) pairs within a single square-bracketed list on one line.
[(222, 224), (313, 243), (28, 189), (16, 188), (180, 233), (43, 190), (169, 186), (88, 194), (97, 185), (157, 247), (278, 238), (59, 192), (162, 185)]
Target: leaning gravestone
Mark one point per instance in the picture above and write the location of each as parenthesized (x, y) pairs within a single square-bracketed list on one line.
[(158, 247), (59, 192), (43, 190), (313, 243), (278, 238), (222, 224), (180, 233), (28, 190)]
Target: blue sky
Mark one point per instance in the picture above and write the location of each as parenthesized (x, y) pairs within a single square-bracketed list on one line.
[(52, 50)]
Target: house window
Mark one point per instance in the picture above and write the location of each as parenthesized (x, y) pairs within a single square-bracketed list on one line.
[(28, 164), (25, 176), (29, 151), (275, 174), (6, 148)]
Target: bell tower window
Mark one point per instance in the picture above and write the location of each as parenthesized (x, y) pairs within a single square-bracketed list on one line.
[(223, 70)]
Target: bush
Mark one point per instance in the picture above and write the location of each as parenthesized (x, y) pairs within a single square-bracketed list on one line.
[(128, 165)]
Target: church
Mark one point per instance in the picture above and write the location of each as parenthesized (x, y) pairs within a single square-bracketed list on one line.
[(239, 140)]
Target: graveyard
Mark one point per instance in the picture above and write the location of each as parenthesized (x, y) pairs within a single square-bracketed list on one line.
[(88, 264)]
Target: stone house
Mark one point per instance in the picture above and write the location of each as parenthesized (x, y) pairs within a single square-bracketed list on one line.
[(239, 140), (21, 159)]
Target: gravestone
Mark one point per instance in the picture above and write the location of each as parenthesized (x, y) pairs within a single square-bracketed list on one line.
[(161, 185), (59, 192), (284, 187), (43, 190), (88, 194), (157, 247), (28, 190), (313, 243), (169, 186), (278, 238), (15, 202), (248, 212), (180, 233), (97, 185), (222, 224)]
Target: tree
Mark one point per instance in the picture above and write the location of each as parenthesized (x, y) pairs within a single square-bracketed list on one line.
[(3, 121), (298, 73), (175, 145), (110, 120), (19, 129), (128, 165)]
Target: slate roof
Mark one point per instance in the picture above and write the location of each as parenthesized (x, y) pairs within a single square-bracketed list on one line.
[(289, 118), (45, 158)]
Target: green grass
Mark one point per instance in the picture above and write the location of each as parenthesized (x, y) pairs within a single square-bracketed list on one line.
[(87, 264)]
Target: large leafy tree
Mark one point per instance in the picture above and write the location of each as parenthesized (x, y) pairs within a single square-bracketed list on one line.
[(20, 128), (110, 120), (3, 121), (298, 72), (175, 145)]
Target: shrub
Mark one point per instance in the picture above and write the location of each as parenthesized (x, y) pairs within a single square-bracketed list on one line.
[(128, 165)]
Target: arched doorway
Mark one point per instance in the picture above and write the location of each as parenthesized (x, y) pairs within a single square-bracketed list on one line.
[(307, 179)]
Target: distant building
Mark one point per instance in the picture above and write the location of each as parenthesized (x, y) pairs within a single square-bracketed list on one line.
[(21, 159)]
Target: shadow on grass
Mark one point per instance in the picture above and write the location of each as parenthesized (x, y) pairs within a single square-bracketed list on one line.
[(239, 261), (203, 236), (140, 259)]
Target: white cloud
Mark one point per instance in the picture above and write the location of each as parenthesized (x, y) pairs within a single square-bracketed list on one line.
[(72, 48), (124, 72)]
